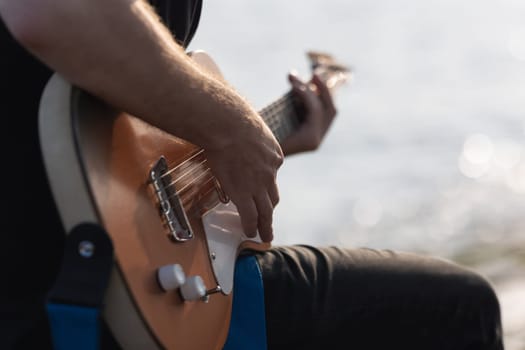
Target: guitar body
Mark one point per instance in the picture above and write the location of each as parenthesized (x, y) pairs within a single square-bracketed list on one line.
[(100, 164)]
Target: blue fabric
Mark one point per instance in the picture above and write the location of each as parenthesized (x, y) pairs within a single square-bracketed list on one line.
[(73, 327), (77, 327), (248, 322)]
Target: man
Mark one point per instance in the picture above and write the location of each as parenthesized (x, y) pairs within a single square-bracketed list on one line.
[(120, 51)]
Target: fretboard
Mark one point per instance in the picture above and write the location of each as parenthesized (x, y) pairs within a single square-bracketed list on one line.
[(281, 116)]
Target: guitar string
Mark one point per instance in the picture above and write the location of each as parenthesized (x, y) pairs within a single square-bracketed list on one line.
[(283, 126), (187, 172), (183, 163), (276, 116), (283, 99), (186, 199), (182, 194), (276, 109), (272, 113), (196, 179)]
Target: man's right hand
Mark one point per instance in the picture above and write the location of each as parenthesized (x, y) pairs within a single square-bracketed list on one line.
[(246, 166)]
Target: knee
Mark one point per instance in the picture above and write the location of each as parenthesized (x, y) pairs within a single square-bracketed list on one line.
[(479, 291), (478, 305), (466, 286)]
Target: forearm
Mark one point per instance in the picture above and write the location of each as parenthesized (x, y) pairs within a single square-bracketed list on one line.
[(119, 51)]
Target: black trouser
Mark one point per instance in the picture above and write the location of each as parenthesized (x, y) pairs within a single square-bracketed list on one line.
[(332, 298)]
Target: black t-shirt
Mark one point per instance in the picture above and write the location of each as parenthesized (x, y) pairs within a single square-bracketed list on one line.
[(31, 235)]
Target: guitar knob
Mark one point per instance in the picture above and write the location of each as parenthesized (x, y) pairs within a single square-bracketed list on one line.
[(171, 277), (193, 289)]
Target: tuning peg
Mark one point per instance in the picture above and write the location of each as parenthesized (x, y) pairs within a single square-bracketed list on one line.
[(317, 57), (171, 277), (193, 289)]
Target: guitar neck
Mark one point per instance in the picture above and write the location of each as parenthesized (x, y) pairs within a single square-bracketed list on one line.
[(281, 116)]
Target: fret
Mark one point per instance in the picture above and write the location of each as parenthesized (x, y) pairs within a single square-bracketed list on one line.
[(281, 117)]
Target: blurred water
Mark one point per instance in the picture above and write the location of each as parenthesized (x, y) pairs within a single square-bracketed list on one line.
[(428, 150)]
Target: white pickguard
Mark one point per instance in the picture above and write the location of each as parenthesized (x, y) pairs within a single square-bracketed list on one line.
[(224, 233)]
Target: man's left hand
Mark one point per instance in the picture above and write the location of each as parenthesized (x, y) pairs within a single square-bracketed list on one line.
[(319, 112)]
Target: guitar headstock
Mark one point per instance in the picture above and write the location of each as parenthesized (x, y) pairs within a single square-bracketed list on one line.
[(332, 72)]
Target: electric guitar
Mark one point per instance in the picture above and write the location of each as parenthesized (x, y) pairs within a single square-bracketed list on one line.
[(175, 234)]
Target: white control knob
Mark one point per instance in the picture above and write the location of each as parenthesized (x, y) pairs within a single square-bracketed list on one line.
[(171, 277), (193, 289)]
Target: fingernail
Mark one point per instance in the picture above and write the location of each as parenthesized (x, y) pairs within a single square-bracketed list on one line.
[(293, 77), (298, 84)]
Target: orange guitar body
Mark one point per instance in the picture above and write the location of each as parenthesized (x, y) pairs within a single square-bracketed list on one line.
[(115, 153)]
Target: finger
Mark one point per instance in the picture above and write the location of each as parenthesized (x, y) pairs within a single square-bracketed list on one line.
[(273, 193), (294, 77), (306, 95), (248, 212), (296, 81), (265, 216), (324, 95)]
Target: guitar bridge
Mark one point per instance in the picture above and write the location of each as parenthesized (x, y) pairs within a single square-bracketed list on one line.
[(170, 205)]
